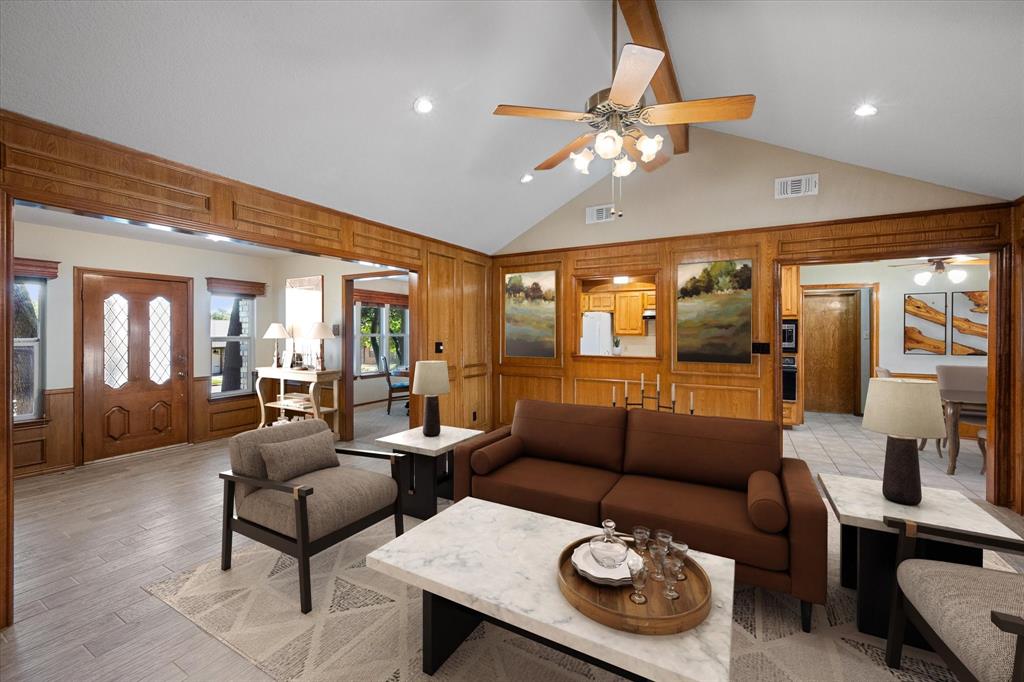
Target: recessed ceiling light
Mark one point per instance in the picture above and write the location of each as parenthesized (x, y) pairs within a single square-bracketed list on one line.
[(620, 279), (866, 110), (217, 238), (526, 178), (161, 228), (423, 105)]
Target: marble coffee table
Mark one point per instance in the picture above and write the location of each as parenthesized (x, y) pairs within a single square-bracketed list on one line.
[(480, 561), (421, 481), (867, 547)]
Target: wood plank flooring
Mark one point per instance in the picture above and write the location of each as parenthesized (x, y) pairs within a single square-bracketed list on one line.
[(87, 541)]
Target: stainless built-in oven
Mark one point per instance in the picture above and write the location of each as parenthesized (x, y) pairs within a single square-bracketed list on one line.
[(789, 336), (789, 377)]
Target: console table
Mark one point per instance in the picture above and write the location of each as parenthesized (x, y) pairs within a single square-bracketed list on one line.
[(314, 379)]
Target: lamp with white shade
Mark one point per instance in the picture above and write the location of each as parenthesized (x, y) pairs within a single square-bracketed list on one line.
[(276, 331), (430, 379), (905, 410), (319, 332)]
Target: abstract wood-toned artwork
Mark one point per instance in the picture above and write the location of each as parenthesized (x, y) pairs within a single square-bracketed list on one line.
[(714, 309), (530, 314), (924, 324), (970, 323)]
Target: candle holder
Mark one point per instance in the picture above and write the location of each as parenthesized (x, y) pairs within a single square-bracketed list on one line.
[(642, 403)]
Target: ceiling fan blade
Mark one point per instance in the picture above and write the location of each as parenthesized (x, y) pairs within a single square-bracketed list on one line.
[(637, 65), (563, 153), (539, 112), (699, 110), (659, 160), (968, 261)]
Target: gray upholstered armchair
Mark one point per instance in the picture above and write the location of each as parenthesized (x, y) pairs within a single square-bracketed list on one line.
[(973, 617), (290, 493)]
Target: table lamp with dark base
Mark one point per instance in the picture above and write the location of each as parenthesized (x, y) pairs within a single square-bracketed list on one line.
[(905, 410), (430, 379)]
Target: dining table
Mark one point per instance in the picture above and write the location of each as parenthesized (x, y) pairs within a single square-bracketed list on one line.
[(954, 400)]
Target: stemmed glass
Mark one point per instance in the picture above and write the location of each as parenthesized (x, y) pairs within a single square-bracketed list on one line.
[(672, 569), (680, 551), (658, 554), (663, 539), (638, 574), (641, 535)]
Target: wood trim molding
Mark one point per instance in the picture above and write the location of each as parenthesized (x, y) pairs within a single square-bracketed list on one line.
[(381, 297), (219, 285), (35, 267)]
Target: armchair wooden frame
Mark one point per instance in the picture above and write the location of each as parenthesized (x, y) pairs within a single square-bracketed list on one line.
[(903, 610), (300, 546)]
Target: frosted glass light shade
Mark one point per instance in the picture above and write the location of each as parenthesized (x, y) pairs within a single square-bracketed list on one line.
[(321, 330), (922, 278), (623, 167), (430, 377), (649, 147), (276, 330), (957, 276), (904, 408), (608, 144), (581, 161)]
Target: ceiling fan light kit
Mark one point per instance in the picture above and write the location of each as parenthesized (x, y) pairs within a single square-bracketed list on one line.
[(615, 114)]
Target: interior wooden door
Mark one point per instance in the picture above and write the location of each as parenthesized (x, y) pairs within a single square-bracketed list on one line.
[(135, 363), (831, 350)]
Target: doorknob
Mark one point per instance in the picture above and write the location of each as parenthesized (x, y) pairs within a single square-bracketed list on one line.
[(181, 374)]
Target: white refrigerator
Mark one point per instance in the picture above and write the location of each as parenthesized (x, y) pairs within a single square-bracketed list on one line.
[(597, 334)]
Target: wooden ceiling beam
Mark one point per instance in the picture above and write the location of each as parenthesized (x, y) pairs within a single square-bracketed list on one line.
[(645, 28)]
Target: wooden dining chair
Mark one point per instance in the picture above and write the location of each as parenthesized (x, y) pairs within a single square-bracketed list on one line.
[(397, 388)]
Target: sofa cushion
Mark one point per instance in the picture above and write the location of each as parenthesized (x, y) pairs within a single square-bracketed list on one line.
[(291, 458), (496, 455), (709, 450), (577, 434), (568, 491), (245, 447), (341, 495), (708, 519), (765, 503), (957, 602)]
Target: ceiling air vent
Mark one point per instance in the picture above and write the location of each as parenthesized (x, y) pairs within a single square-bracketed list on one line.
[(600, 214), (796, 186)]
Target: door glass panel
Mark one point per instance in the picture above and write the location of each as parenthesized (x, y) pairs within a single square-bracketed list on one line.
[(159, 340), (115, 341)]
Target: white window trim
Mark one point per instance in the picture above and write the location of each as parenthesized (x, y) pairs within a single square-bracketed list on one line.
[(251, 338), (384, 336)]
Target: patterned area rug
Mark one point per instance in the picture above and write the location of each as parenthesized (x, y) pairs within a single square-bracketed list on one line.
[(366, 626)]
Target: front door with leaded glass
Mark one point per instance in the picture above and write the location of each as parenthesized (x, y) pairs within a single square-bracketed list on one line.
[(135, 363)]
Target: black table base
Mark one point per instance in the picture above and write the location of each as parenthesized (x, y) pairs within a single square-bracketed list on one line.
[(446, 625), (422, 480), (867, 563)]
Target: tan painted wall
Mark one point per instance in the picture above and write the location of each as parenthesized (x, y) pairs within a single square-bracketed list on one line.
[(726, 183)]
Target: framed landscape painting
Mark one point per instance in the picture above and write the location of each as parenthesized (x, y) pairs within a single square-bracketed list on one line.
[(970, 323), (924, 324), (714, 311), (530, 314)]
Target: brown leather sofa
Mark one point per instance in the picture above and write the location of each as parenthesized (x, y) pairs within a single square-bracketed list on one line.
[(720, 485)]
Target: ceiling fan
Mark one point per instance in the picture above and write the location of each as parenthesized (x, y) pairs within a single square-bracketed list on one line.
[(616, 114), (937, 266)]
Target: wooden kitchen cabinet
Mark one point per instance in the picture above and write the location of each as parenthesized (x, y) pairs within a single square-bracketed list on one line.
[(790, 290), (650, 300), (602, 302), (629, 317)]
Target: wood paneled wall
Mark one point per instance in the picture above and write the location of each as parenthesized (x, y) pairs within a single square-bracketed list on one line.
[(48, 444), (1017, 442), (214, 418), (54, 166), (752, 390)]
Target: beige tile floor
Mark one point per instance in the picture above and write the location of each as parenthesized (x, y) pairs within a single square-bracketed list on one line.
[(836, 443)]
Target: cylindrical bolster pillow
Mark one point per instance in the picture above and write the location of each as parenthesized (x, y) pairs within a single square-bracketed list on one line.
[(496, 455), (765, 503)]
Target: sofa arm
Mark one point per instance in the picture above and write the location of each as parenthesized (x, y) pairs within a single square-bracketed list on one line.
[(463, 454), (496, 455), (808, 532)]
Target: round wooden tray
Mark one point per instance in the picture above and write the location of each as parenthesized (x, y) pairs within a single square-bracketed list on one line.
[(611, 606)]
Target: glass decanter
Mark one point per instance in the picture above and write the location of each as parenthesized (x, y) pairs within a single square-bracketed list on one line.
[(609, 550)]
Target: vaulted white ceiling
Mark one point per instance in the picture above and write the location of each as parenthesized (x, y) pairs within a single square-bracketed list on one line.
[(315, 99)]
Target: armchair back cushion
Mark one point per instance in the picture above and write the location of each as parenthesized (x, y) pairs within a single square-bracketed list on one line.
[(244, 448), (575, 434), (284, 461), (714, 451)]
